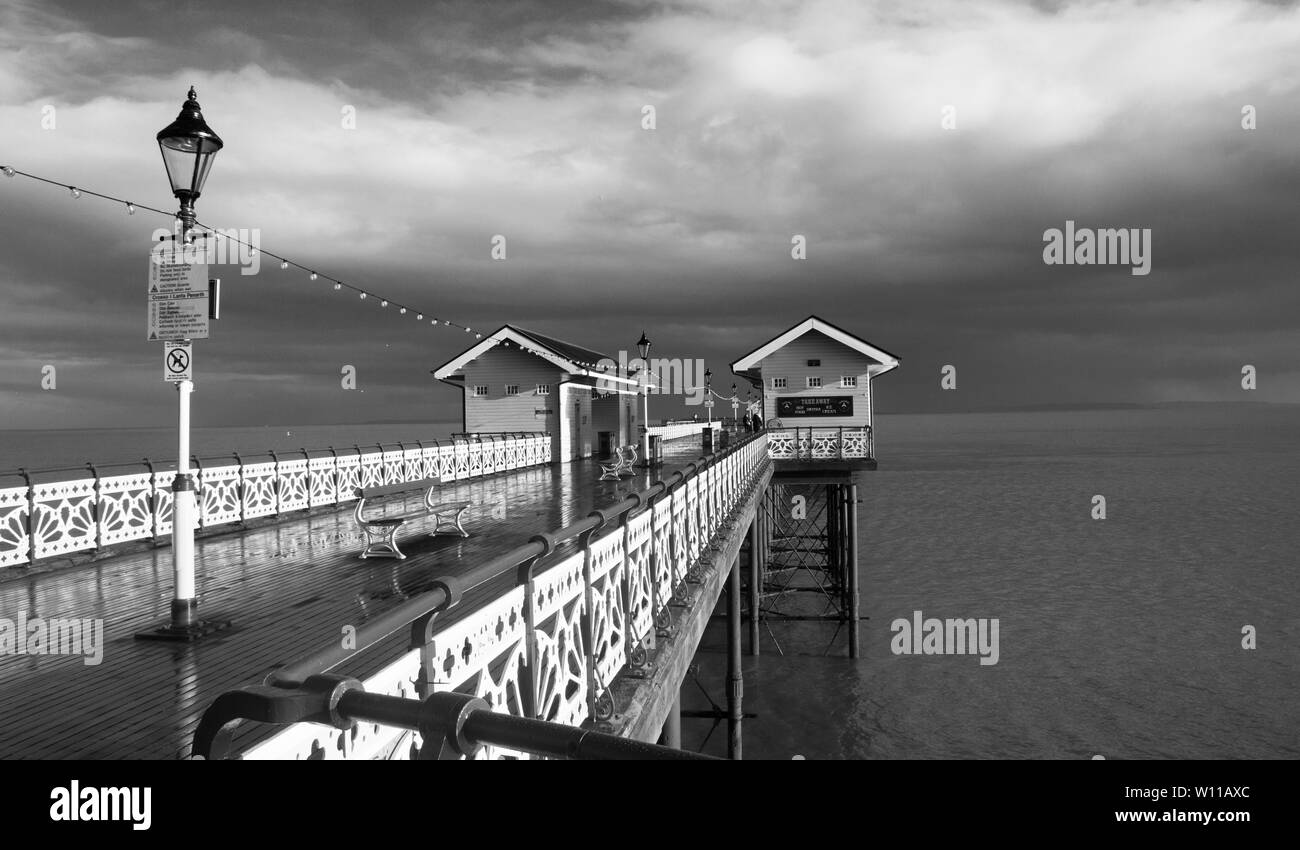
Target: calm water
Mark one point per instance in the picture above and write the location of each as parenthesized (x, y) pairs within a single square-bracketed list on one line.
[(1120, 637)]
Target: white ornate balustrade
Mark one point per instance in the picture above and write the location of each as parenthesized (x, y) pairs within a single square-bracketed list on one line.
[(549, 647), (47, 519), (821, 444), (682, 429)]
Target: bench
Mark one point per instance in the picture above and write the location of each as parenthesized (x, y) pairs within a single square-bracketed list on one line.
[(622, 464), (381, 531)]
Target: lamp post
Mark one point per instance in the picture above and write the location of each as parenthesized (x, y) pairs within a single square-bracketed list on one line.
[(188, 146), (708, 394), (735, 408), (643, 348)]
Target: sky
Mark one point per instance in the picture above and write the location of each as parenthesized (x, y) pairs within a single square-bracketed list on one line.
[(921, 149)]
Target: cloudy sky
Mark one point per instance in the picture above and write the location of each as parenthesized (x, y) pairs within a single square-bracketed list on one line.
[(772, 119)]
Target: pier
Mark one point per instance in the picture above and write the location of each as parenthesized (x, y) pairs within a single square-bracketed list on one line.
[(577, 601)]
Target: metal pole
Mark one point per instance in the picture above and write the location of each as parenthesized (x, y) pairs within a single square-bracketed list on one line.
[(853, 571), (735, 686), (184, 603), (645, 425), (755, 584), (673, 724)]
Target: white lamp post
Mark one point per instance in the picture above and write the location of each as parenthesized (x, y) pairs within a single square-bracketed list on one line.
[(188, 148)]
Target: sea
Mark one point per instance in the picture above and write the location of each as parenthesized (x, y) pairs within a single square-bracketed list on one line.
[(1127, 636)]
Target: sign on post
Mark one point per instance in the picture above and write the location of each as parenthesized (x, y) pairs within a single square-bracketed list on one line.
[(178, 296), (178, 361)]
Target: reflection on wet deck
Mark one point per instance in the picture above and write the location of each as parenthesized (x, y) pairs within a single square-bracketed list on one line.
[(289, 588)]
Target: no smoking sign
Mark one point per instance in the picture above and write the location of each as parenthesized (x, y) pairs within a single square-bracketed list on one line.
[(178, 360)]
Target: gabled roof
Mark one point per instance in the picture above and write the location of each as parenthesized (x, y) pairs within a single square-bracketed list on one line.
[(571, 358), (812, 323)]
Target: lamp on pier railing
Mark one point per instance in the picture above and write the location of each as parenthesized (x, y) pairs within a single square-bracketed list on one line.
[(643, 349), (735, 407), (188, 148), (708, 394)]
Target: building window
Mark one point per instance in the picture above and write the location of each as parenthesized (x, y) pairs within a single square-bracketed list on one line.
[(814, 363), (480, 392), (778, 383), (512, 389), (849, 381), (814, 382), (543, 389)]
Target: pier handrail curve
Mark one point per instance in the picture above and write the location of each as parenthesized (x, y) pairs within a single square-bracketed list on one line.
[(436, 600)]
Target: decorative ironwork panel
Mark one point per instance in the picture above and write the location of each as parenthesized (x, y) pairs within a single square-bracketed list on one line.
[(292, 485), (608, 615), (483, 655), (259, 489), (855, 444), (639, 603), (781, 444), (349, 477), (680, 536), (162, 500), (462, 460), (447, 463), (14, 543), (663, 560), (125, 507), (324, 484), (475, 457), (371, 470), (825, 443), (394, 466), (65, 516), (219, 494), (559, 681)]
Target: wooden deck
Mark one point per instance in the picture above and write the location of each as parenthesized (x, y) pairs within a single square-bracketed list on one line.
[(289, 588)]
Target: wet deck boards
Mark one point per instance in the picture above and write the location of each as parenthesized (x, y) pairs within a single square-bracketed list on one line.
[(289, 588)]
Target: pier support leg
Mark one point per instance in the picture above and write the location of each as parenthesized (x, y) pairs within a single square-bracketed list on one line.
[(755, 585), (735, 688), (672, 733), (854, 609)]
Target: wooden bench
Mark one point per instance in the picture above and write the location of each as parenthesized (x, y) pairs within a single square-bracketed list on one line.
[(381, 531), (624, 458)]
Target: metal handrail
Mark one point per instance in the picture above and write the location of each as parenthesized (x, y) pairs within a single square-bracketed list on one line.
[(446, 591), (451, 724)]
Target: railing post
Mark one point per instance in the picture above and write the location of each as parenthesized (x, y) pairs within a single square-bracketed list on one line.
[(275, 479), (334, 476), (155, 504), (243, 488), (31, 516), (588, 632), (99, 524), (307, 482)]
